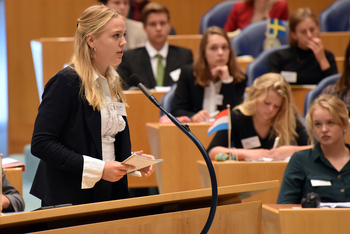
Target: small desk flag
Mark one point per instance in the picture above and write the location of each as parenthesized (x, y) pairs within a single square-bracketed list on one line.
[(277, 28), (220, 122)]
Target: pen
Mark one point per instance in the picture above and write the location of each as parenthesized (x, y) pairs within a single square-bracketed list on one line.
[(276, 142)]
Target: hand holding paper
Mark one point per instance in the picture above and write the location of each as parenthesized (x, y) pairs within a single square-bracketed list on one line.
[(142, 162)]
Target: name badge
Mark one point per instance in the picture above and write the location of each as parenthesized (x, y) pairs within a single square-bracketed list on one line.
[(219, 98), (318, 183), (175, 75), (290, 77), (120, 108), (251, 142)]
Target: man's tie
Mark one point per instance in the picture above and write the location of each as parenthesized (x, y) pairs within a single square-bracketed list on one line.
[(160, 71)]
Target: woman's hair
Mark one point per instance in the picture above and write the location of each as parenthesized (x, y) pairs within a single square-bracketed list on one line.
[(92, 21), (336, 107), (343, 84), (201, 68), (299, 15), (284, 123)]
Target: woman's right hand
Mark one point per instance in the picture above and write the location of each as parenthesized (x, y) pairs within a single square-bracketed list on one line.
[(254, 154), (316, 45), (114, 171), (201, 116)]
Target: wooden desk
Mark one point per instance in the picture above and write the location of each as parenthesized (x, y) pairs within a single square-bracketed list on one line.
[(182, 212), (141, 110), (178, 171), (232, 172), (281, 219), (299, 92), (14, 176)]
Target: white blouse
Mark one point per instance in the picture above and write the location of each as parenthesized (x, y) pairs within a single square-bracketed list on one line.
[(112, 122)]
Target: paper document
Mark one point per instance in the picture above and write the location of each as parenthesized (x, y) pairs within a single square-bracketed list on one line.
[(335, 205), (140, 162)]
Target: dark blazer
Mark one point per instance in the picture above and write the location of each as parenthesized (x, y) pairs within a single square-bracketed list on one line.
[(65, 129), (188, 99), (137, 61)]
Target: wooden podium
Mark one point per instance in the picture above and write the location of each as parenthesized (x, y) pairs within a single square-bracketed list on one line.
[(178, 171), (282, 219), (182, 212), (241, 172)]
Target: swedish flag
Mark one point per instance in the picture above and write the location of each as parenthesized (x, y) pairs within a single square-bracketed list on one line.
[(277, 28)]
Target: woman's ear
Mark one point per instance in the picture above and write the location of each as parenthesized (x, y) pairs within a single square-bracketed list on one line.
[(292, 34), (90, 39)]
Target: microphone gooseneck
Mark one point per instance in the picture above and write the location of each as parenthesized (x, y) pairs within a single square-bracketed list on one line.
[(135, 80)]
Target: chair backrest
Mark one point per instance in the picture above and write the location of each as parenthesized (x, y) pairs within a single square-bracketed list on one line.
[(258, 67), (216, 16), (167, 99), (250, 41), (336, 17), (317, 91)]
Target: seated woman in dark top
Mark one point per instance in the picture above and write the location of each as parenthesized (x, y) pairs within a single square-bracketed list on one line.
[(341, 88), (214, 80), (305, 61), (268, 112), (324, 169)]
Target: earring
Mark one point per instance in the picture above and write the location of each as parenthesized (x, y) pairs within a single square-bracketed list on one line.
[(94, 49)]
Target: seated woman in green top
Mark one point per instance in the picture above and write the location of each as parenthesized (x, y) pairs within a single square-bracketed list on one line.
[(325, 168)]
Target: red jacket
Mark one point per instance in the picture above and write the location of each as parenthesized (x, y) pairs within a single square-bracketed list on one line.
[(241, 14)]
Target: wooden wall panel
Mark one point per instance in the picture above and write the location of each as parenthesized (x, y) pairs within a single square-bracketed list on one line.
[(27, 20)]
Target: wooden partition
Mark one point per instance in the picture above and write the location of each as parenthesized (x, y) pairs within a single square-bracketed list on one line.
[(14, 176), (183, 212), (336, 42), (232, 172), (283, 219), (178, 171)]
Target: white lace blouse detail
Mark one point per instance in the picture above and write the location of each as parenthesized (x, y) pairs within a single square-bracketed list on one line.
[(112, 123)]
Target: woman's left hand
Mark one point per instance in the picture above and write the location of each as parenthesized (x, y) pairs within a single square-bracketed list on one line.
[(221, 71), (147, 170)]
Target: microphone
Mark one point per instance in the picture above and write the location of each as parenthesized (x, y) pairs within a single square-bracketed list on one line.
[(135, 80)]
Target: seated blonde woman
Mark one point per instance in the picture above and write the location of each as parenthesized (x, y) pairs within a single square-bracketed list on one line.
[(326, 162), (268, 112)]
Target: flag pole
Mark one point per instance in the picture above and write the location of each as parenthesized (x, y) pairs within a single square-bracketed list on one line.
[(229, 130)]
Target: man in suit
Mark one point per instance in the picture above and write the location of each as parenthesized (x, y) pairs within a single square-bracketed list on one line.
[(135, 36), (157, 63)]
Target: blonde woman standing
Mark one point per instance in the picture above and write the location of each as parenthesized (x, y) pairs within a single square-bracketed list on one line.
[(81, 133)]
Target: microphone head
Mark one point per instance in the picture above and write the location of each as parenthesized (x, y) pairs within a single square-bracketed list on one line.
[(134, 80)]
